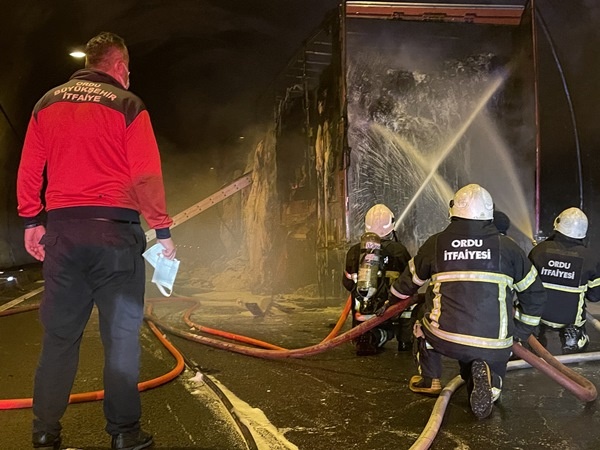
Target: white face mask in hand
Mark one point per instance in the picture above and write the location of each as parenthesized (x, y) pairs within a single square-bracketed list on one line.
[(153, 253), (164, 275), (165, 270)]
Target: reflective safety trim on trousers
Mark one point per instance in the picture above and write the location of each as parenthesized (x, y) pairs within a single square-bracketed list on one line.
[(464, 339), (484, 277), (529, 320), (527, 281), (413, 270)]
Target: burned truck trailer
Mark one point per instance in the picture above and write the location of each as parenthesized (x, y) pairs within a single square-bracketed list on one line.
[(402, 103)]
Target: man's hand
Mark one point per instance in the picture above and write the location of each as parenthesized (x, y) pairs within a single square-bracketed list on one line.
[(170, 250), (32, 242)]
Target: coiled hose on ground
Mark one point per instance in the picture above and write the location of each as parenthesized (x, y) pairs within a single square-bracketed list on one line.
[(582, 388), (270, 353), (19, 403)]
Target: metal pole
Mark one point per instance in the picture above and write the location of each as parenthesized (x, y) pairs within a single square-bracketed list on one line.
[(537, 118)]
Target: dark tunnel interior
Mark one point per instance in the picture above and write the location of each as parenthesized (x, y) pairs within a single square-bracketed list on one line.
[(207, 73)]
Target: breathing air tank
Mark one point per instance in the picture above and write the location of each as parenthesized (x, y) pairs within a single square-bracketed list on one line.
[(368, 269)]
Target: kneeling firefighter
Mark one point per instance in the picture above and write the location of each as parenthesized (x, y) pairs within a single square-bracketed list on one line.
[(467, 314), (371, 267), (570, 271)]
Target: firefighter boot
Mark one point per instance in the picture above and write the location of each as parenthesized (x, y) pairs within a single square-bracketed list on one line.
[(480, 395), (573, 339), (366, 344), (425, 385), (404, 334)]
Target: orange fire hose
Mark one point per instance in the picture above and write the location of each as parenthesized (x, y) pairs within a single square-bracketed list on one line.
[(256, 342), (295, 353), (19, 403)]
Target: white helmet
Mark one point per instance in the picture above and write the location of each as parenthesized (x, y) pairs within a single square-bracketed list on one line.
[(472, 202), (572, 222), (379, 220)]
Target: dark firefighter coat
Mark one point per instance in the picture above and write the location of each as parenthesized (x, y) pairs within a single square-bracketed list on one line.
[(394, 259), (570, 273), (473, 272)]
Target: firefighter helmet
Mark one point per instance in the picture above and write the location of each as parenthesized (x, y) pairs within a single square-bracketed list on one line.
[(379, 220), (472, 202), (572, 222)]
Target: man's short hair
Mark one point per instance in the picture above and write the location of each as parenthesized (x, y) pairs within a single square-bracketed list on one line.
[(99, 50)]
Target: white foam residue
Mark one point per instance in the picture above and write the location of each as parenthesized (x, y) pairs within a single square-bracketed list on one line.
[(265, 434)]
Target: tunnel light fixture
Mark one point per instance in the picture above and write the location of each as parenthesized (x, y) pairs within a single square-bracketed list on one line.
[(77, 54)]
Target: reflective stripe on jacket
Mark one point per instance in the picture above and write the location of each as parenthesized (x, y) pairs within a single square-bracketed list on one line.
[(570, 272), (473, 274)]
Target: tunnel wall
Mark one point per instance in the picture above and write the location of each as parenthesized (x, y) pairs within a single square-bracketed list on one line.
[(573, 26), (33, 64), (573, 29), (12, 252)]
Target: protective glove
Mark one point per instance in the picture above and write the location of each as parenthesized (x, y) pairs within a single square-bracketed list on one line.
[(381, 310)]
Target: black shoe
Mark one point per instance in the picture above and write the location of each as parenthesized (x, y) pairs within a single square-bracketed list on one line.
[(481, 397), (41, 439), (134, 440)]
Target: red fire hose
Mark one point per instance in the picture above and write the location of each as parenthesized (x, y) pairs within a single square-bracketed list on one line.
[(578, 385), (281, 354)]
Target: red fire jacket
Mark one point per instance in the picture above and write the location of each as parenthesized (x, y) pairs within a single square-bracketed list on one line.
[(96, 142)]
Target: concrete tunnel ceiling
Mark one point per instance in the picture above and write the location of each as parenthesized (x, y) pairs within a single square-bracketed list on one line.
[(201, 66)]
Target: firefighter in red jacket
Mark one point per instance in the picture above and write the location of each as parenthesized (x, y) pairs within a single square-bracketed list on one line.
[(390, 259), (467, 314), (94, 140), (570, 272)]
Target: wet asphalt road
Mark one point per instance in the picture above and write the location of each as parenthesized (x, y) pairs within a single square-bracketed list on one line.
[(333, 400)]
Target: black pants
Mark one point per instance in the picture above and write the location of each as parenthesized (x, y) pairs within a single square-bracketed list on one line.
[(429, 363), (91, 262)]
